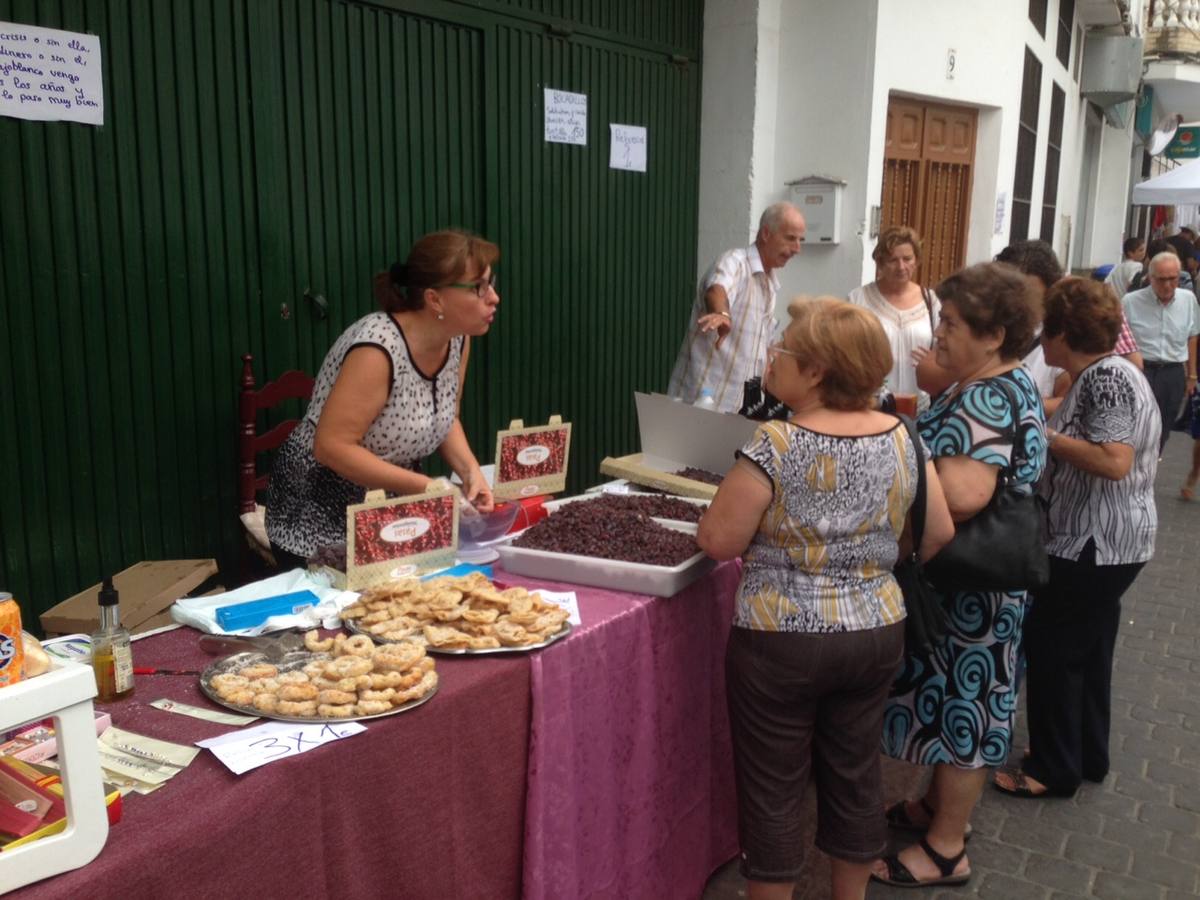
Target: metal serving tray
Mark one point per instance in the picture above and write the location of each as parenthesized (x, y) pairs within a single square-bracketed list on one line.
[(353, 626), (296, 659)]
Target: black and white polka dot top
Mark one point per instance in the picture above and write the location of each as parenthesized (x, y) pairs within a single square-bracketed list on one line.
[(419, 409), (306, 501)]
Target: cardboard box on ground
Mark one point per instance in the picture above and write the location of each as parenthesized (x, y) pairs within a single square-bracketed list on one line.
[(147, 590)]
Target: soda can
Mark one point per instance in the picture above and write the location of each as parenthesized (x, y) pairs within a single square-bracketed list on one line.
[(12, 648)]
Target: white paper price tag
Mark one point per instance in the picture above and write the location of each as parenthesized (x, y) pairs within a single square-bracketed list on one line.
[(566, 599), (242, 751)]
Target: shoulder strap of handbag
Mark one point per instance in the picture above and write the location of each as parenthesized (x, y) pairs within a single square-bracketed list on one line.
[(928, 308), (917, 509), (1010, 391)]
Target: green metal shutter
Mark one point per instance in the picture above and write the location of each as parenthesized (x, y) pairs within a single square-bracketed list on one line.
[(258, 152)]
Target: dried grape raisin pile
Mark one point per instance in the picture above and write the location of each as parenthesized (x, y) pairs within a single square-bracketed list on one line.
[(656, 505), (700, 475), (587, 529)]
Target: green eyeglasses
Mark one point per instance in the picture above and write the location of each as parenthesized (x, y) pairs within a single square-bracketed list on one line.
[(480, 287)]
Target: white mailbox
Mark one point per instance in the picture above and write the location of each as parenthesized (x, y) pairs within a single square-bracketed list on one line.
[(820, 200)]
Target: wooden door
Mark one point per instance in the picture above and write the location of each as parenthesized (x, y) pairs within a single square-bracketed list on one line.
[(929, 151)]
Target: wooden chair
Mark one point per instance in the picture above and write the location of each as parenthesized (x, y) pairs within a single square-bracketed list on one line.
[(293, 384)]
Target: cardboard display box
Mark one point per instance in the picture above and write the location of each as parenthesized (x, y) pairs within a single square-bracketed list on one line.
[(146, 590), (676, 435)]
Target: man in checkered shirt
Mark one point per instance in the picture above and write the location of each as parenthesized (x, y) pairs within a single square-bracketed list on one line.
[(733, 319)]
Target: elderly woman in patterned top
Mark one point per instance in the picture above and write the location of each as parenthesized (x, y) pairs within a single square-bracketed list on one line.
[(817, 505), (387, 396), (952, 705), (1099, 487)]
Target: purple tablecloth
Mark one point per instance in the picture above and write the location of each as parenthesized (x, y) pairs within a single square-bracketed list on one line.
[(630, 787), (599, 767)]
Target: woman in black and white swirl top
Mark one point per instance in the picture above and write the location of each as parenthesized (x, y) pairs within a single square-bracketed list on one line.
[(1099, 487)]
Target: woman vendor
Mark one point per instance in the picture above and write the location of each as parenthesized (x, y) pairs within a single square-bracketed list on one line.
[(387, 395)]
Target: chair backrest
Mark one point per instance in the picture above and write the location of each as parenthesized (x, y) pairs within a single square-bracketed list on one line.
[(290, 385)]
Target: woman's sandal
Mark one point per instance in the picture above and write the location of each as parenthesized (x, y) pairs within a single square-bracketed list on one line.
[(897, 817), (1188, 491), (1023, 789), (898, 873)]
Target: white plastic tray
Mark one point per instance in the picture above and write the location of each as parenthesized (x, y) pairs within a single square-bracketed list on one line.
[(614, 574)]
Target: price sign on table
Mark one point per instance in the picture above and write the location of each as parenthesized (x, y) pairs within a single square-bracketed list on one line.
[(242, 751)]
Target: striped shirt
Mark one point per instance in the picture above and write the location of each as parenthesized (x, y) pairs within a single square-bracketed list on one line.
[(1110, 402), (742, 355)]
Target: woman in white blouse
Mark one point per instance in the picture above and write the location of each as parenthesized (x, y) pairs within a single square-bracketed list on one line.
[(908, 312)]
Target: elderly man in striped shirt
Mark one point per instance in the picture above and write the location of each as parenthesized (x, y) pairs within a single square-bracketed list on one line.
[(733, 318)]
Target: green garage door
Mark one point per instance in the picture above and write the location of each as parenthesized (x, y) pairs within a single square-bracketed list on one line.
[(259, 162)]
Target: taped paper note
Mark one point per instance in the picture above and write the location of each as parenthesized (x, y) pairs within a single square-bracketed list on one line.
[(565, 117), (628, 147), (50, 75)]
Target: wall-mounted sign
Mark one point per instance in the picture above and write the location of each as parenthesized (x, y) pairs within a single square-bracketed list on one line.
[(1185, 144), (565, 117), (50, 75), (628, 148)]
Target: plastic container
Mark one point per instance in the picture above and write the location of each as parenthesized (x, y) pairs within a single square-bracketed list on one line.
[(614, 574)]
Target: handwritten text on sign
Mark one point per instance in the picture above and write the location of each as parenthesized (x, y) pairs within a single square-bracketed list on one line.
[(242, 751), (628, 148), (566, 117), (50, 75)]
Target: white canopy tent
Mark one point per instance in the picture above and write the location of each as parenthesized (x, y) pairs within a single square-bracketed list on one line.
[(1180, 186)]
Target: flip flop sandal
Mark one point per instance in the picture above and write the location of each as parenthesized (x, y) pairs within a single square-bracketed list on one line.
[(899, 875), (1022, 789), (897, 817)]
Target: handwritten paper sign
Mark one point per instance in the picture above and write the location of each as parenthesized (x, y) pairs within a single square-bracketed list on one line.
[(242, 751), (50, 75), (565, 599), (566, 117), (628, 148)]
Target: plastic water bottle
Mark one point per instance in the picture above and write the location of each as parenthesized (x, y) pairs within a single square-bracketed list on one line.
[(706, 400)]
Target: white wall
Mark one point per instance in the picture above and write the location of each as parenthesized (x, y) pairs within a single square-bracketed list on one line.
[(727, 127), (826, 68), (801, 87)]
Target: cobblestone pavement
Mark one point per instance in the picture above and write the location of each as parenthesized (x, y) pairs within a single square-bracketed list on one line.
[(1137, 835)]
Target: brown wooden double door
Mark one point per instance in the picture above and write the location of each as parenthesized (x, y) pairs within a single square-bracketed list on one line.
[(928, 158)]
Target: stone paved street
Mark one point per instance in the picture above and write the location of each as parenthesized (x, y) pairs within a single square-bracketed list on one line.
[(1137, 835)]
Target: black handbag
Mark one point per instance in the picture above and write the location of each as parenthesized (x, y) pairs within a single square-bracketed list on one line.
[(1001, 547), (760, 404), (925, 622)]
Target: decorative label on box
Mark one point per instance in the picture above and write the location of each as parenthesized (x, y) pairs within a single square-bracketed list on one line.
[(388, 539), (531, 461)]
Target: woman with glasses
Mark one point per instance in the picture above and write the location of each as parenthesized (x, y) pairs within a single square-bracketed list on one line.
[(952, 704), (387, 395), (816, 505)]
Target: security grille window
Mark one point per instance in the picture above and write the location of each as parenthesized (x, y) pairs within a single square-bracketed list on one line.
[(1058, 100), (1037, 15), (1066, 21), (1031, 89)]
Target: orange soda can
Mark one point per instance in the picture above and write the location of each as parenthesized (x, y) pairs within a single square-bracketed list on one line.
[(12, 648)]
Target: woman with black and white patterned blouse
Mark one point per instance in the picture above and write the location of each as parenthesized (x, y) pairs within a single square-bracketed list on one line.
[(1099, 487), (387, 396)]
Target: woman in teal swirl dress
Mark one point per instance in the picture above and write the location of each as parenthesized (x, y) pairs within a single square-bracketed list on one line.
[(952, 707)]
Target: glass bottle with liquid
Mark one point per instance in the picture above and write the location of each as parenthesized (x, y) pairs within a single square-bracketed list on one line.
[(112, 655)]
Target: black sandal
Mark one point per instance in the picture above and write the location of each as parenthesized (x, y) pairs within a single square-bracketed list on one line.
[(899, 875), (897, 817)]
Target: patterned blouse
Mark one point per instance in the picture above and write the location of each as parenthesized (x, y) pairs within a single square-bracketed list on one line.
[(306, 501), (1111, 402), (822, 558)]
